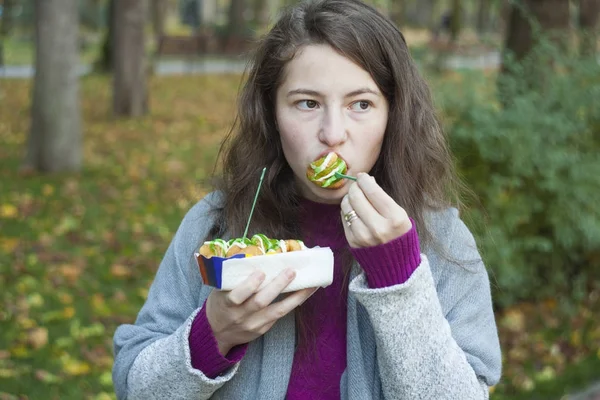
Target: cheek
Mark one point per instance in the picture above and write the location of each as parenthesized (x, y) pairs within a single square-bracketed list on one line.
[(292, 143), (374, 140), (294, 133)]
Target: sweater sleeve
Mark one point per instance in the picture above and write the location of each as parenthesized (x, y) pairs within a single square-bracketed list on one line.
[(152, 356), (390, 263), (204, 349), (429, 350)]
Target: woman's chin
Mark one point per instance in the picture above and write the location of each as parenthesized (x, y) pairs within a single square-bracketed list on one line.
[(325, 195)]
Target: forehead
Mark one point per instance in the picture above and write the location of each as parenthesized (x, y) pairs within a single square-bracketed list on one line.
[(320, 67)]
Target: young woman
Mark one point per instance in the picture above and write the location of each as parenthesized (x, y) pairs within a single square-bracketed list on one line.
[(409, 314)]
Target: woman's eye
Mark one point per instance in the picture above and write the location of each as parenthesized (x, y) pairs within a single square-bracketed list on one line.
[(361, 105), (307, 104)]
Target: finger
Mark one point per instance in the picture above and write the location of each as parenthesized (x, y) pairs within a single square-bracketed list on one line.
[(346, 208), (379, 199), (282, 308), (247, 288), (367, 214), (266, 295)]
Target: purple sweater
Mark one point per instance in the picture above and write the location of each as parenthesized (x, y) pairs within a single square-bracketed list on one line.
[(317, 368)]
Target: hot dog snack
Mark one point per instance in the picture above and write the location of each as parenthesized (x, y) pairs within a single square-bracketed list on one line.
[(226, 263), (322, 172), (256, 246)]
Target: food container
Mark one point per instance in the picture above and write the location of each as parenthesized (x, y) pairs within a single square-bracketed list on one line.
[(314, 268)]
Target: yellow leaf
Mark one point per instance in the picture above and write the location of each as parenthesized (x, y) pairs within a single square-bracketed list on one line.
[(546, 374), (35, 300), (105, 361), (75, 367), (99, 305), (6, 373), (8, 245), (37, 338), (104, 396), (70, 272), (8, 211), (47, 190), (66, 224), (25, 323), (550, 303), (514, 320), (143, 293), (120, 271), (65, 298), (64, 342), (46, 239), (106, 379), (68, 312), (20, 351), (576, 338), (46, 376)]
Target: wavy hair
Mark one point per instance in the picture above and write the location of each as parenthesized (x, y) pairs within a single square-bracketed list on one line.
[(414, 167)]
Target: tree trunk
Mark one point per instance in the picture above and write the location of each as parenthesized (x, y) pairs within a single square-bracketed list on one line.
[(129, 82), (483, 17), (208, 12), (589, 11), (236, 28), (455, 21), (54, 142), (5, 25), (6, 21), (397, 11), (552, 17), (425, 13), (236, 18), (104, 63), (261, 13), (158, 12)]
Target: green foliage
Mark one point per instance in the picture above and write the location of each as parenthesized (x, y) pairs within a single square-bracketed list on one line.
[(576, 378), (533, 165)]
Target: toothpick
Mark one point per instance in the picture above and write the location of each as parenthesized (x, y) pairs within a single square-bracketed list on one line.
[(262, 176), (340, 175)]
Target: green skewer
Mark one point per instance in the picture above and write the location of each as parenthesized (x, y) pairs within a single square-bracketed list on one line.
[(262, 176), (340, 176)]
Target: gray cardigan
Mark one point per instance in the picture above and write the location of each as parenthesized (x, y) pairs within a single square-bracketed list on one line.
[(432, 337)]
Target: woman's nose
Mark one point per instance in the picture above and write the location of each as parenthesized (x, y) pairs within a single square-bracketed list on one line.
[(333, 128)]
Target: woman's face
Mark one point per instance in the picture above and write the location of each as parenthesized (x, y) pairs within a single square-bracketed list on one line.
[(328, 103)]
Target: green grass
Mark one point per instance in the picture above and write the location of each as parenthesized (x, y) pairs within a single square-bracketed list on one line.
[(78, 251), (20, 51)]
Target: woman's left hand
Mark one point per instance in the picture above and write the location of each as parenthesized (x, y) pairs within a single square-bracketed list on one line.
[(378, 218)]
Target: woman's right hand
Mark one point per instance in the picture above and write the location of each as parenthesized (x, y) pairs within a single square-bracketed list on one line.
[(246, 313)]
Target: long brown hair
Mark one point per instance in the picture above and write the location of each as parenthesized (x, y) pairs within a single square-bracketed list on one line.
[(414, 167)]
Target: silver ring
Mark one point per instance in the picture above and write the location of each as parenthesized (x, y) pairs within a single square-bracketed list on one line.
[(350, 216)]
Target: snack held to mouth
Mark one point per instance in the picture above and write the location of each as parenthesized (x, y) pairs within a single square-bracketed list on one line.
[(322, 172), (225, 264)]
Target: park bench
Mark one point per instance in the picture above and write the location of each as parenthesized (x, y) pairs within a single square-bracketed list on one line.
[(201, 45), (196, 50), (187, 46)]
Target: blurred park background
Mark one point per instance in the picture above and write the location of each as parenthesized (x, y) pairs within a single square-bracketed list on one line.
[(111, 114)]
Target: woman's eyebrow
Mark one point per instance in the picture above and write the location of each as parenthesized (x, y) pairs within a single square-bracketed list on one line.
[(315, 93), (362, 91), (307, 92)]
